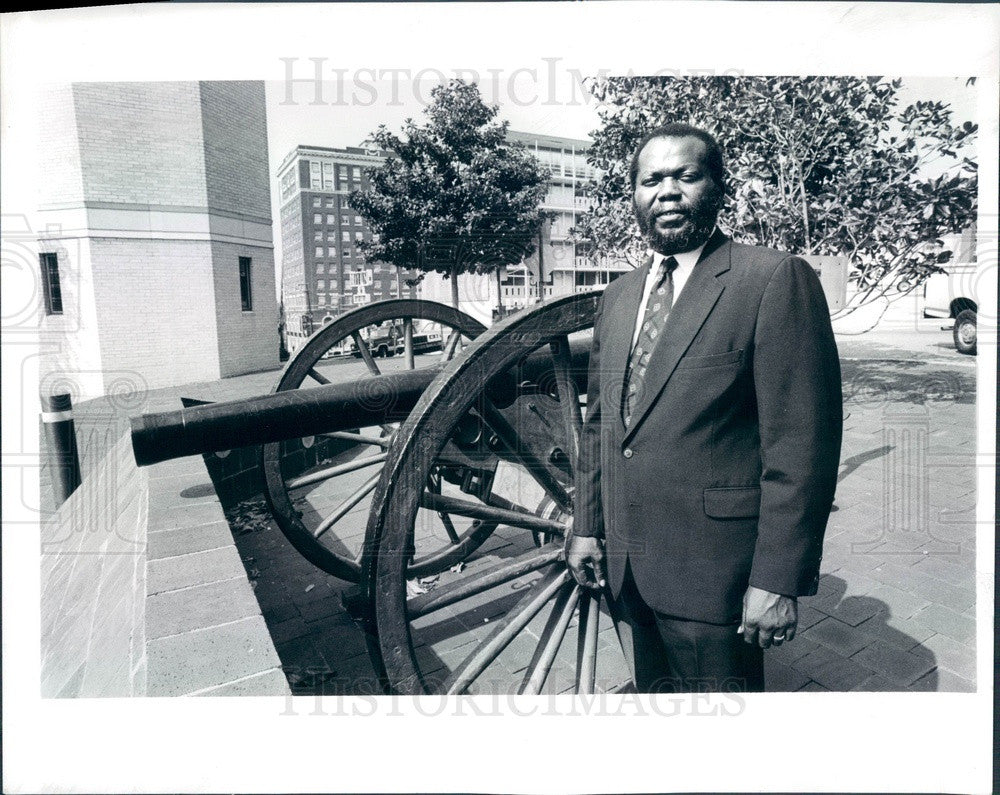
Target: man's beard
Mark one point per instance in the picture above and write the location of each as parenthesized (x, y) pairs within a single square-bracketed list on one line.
[(695, 229)]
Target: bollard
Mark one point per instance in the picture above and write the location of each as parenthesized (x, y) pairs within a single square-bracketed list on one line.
[(60, 445)]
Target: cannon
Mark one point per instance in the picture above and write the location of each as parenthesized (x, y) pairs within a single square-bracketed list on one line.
[(470, 504)]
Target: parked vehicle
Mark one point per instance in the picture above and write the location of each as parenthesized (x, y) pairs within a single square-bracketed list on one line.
[(952, 294)]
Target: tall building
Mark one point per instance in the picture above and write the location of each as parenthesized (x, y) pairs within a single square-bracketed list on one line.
[(560, 266), (323, 270), (157, 259)]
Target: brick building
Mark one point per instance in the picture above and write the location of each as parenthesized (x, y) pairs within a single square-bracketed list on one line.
[(156, 247), (323, 271)]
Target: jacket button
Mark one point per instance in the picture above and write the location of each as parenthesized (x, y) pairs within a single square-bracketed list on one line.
[(628, 452)]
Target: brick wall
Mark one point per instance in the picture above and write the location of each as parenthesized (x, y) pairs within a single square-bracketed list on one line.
[(141, 143), (156, 310), (235, 135), (58, 147), (247, 341), (93, 580)]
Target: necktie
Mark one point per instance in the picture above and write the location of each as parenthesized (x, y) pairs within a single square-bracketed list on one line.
[(661, 297)]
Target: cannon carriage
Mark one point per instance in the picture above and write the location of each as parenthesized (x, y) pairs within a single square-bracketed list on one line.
[(468, 455)]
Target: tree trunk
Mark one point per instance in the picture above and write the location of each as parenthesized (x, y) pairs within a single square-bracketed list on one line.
[(499, 295), (454, 289)]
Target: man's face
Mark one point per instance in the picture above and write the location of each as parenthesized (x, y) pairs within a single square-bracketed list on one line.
[(676, 202)]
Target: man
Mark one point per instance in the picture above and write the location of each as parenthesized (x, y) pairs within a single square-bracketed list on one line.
[(709, 455)]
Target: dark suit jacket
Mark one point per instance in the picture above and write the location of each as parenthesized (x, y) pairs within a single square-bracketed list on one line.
[(726, 474)]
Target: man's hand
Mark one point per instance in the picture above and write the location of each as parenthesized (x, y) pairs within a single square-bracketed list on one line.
[(585, 559), (768, 618)]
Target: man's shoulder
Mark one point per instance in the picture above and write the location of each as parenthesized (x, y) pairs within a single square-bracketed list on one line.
[(761, 261)]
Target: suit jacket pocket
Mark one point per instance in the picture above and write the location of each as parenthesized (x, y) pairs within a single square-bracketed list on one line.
[(733, 503), (713, 360)]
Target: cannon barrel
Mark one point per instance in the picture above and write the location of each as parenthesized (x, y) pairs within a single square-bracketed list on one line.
[(305, 412)]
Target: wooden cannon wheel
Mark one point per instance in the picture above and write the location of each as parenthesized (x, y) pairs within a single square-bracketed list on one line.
[(384, 329), (498, 622)]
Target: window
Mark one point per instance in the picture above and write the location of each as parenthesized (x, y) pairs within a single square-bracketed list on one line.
[(315, 201), (331, 235), (358, 236), (357, 220), (317, 218), (319, 268), (320, 284), (331, 251), (315, 180), (319, 251), (246, 295), (317, 235), (329, 202), (331, 219), (345, 236), (50, 283), (328, 176)]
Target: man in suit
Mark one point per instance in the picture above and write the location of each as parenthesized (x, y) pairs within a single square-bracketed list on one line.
[(709, 455)]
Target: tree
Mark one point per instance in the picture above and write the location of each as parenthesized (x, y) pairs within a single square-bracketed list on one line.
[(817, 165), (454, 196)]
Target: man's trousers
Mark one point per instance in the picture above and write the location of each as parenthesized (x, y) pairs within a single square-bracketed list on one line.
[(674, 655)]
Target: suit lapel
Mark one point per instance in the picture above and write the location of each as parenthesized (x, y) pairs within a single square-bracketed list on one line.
[(621, 329), (687, 316)]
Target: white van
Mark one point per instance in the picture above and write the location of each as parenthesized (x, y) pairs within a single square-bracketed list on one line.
[(952, 294)]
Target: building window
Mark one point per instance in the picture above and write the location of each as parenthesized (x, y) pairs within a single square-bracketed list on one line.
[(246, 294), (319, 251), (331, 219), (50, 283), (329, 202), (317, 218), (319, 267), (320, 284), (317, 235), (331, 252), (345, 236), (357, 220), (316, 201)]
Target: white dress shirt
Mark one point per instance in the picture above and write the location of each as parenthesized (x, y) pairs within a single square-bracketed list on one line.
[(685, 264)]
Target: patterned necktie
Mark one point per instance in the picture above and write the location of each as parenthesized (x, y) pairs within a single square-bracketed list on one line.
[(661, 297)]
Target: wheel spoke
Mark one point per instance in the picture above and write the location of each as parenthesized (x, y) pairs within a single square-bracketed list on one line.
[(366, 353), (586, 652), (551, 639), (449, 527), (569, 396), (344, 508), (334, 471), (507, 434), (360, 438), (474, 510), (505, 630), (408, 342), (498, 574), (451, 344), (316, 375)]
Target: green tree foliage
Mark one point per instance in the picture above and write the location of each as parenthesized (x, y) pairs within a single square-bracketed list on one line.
[(817, 165), (454, 196)]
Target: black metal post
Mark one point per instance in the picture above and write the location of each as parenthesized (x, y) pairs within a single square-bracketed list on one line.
[(60, 445)]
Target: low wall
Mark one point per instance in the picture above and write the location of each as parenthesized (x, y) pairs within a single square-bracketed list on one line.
[(93, 582)]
